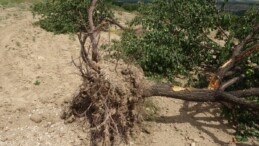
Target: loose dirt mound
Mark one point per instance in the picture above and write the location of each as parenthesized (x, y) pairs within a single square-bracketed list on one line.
[(111, 101)]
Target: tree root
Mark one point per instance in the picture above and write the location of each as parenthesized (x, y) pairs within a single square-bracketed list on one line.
[(112, 109)]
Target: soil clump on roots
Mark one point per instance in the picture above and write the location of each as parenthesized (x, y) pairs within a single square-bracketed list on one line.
[(111, 101)]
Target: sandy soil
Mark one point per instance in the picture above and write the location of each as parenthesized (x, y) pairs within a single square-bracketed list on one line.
[(37, 79)]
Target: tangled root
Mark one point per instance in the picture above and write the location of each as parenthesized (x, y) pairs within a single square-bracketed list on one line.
[(111, 101)]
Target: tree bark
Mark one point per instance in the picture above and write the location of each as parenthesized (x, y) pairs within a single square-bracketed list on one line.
[(201, 95), (93, 35), (238, 54)]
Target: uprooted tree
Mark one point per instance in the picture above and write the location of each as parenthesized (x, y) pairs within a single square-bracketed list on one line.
[(211, 49), (175, 41)]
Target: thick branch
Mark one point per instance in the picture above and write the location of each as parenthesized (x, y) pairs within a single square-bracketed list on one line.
[(231, 82), (103, 23), (84, 54), (233, 71), (236, 53), (246, 92), (238, 101), (200, 95), (95, 55), (112, 21), (247, 52), (239, 47)]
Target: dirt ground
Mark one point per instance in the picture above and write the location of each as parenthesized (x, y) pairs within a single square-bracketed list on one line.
[(37, 78)]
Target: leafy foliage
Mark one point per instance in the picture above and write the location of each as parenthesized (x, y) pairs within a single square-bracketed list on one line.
[(239, 27), (68, 16), (174, 32), (246, 122), (126, 6), (175, 41)]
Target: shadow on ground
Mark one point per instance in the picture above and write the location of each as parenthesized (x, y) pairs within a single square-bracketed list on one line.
[(193, 113)]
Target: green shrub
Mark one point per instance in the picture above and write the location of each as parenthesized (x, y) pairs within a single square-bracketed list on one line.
[(68, 16), (126, 5), (171, 44), (130, 7), (175, 42)]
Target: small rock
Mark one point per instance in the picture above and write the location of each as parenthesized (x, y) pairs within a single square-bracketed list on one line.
[(21, 108), (231, 144), (126, 72), (193, 139), (202, 137), (131, 143), (145, 130), (196, 140), (193, 144), (63, 100), (4, 139), (36, 118), (41, 58), (82, 119), (6, 129), (176, 128), (71, 119), (66, 113)]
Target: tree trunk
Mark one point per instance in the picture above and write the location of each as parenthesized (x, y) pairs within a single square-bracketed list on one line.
[(201, 95), (93, 35)]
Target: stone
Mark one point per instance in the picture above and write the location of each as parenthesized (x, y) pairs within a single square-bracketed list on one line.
[(71, 119), (36, 118), (4, 139), (196, 140)]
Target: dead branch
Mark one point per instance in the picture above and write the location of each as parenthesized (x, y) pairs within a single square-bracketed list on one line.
[(231, 82), (236, 54)]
